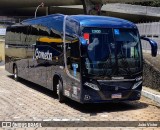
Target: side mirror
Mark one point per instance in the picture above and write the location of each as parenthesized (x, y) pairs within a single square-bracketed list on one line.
[(153, 44), (83, 41)]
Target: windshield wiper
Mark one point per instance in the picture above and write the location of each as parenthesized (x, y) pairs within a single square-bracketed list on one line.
[(125, 65)]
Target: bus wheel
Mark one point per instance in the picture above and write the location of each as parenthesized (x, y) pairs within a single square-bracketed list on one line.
[(15, 73), (61, 97)]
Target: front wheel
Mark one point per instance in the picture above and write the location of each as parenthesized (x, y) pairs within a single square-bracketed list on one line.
[(61, 97), (15, 73)]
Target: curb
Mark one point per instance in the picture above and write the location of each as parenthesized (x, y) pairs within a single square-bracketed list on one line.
[(151, 96)]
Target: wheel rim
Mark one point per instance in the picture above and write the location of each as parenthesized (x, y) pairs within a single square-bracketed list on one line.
[(15, 73), (58, 89)]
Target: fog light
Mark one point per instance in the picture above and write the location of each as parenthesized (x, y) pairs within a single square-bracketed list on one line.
[(139, 95), (87, 97)]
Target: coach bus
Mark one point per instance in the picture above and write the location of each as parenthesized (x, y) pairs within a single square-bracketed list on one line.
[(89, 59)]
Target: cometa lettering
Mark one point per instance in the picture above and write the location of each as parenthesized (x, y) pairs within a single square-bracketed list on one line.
[(43, 55)]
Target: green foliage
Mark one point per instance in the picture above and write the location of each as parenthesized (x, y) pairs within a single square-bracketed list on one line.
[(155, 3)]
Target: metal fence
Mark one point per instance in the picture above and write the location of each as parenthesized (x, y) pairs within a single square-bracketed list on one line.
[(152, 31)]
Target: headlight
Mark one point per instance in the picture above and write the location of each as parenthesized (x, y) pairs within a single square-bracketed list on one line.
[(139, 78), (93, 86), (136, 84)]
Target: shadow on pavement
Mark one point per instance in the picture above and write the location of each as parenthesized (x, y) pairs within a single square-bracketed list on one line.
[(35, 87), (91, 109), (106, 107)]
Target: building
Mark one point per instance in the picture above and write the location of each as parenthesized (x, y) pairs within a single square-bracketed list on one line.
[(22, 9), (2, 35)]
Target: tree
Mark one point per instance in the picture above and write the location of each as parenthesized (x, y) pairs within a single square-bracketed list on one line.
[(155, 3)]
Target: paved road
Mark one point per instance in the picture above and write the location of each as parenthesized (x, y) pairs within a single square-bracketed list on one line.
[(25, 101)]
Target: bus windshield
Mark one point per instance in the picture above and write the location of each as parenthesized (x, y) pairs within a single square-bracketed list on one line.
[(112, 52)]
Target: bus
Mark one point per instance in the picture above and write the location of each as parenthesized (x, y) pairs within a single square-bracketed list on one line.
[(89, 59)]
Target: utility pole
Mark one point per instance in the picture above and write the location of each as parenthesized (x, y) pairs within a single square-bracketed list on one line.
[(41, 5)]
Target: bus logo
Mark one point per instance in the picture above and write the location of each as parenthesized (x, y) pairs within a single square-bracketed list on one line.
[(43, 55)]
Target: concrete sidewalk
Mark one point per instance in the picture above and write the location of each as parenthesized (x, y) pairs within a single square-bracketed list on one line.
[(151, 94), (2, 67)]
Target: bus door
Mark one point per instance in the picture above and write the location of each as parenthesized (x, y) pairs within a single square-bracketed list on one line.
[(72, 75), (72, 61)]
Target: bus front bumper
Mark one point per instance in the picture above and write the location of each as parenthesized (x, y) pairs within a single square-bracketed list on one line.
[(110, 96)]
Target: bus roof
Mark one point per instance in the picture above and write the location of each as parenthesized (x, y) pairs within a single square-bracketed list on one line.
[(103, 21), (88, 21)]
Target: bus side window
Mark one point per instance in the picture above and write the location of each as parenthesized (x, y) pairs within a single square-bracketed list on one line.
[(23, 32), (9, 35), (75, 56), (15, 39), (33, 35), (68, 54)]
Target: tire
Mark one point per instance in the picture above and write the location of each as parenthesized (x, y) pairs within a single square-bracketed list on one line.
[(61, 97), (15, 73)]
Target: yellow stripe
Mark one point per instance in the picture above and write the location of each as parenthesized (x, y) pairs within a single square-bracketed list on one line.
[(49, 40), (56, 40), (74, 41)]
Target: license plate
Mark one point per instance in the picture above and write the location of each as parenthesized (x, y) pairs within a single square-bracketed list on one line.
[(118, 95)]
